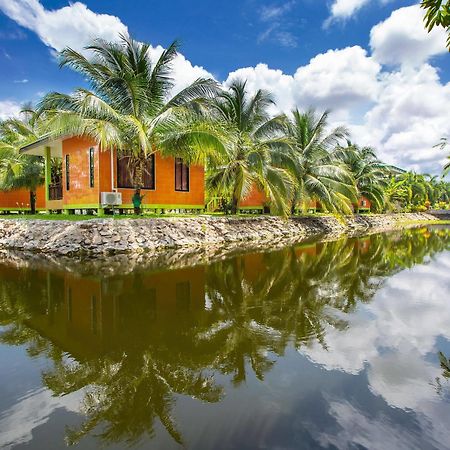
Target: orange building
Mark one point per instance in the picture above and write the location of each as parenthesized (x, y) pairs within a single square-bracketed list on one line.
[(364, 205), (86, 171)]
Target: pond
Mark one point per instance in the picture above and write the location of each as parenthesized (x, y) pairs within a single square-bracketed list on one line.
[(321, 345)]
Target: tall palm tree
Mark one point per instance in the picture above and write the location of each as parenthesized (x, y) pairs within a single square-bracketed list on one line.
[(251, 140), (19, 170), (129, 105), (319, 173)]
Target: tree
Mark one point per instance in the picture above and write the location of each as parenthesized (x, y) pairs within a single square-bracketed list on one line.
[(371, 175), (251, 140), (18, 170), (437, 14), (320, 175), (411, 191), (128, 106)]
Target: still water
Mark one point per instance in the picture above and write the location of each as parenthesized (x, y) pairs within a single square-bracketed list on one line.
[(322, 345)]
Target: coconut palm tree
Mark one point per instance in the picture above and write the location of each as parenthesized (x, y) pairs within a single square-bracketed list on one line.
[(19, 170), (129, 105), (251, 140), (320, 175), (371, 175)]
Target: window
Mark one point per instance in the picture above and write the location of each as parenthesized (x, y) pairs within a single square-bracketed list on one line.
[(125, 176), (91, 167), (181, 176), (67, 172)]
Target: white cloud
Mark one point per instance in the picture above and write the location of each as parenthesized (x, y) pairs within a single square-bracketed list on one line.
[(410, 117), (343, 80), (338, 79), (9, 108), (73, 26), (345, 9), (268, 13), (22, 81), (402, 38)]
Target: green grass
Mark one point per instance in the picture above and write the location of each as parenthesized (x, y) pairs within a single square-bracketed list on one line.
[(80, 217)]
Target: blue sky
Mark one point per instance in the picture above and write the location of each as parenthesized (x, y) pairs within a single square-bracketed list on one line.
[(368, 60)]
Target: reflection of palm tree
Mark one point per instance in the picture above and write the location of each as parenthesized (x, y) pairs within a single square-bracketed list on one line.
[(236, 333), (128, 393)]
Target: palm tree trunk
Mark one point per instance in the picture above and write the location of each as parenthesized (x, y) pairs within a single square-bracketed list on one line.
[(138, 184), (234, 204), (33, 202)]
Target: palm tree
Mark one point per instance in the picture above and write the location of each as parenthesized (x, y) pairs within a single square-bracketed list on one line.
[(371, 175), (251, 140), (128, 106), (320, 175), (18, 170)]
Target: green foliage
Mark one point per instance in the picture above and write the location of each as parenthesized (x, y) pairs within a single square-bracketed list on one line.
[(437, 15)]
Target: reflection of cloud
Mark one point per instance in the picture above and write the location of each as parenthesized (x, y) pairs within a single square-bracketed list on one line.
[(357, 428), (392, 337), (33, 410)]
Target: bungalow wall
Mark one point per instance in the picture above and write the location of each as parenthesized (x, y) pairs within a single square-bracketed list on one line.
[(255, 199), (18, 199)]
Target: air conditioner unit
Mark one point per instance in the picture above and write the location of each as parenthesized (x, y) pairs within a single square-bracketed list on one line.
[(111, 198)]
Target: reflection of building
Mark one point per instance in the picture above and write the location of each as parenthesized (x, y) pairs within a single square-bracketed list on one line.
[(363, 245), (306, 249), (89, 316)]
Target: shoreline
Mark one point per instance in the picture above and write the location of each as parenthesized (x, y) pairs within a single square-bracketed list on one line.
[(105, 237)]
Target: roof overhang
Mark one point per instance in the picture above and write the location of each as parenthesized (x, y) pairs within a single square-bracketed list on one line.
[(39, 147)]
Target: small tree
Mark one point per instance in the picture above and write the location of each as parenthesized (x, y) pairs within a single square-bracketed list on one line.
[(18, 170)]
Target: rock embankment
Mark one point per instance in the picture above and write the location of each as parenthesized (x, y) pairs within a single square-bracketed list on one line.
[(110, 236)]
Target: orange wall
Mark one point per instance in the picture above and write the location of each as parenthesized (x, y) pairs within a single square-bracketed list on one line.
[(80, 193), (20, 198), (164, 192), (254, 198)]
